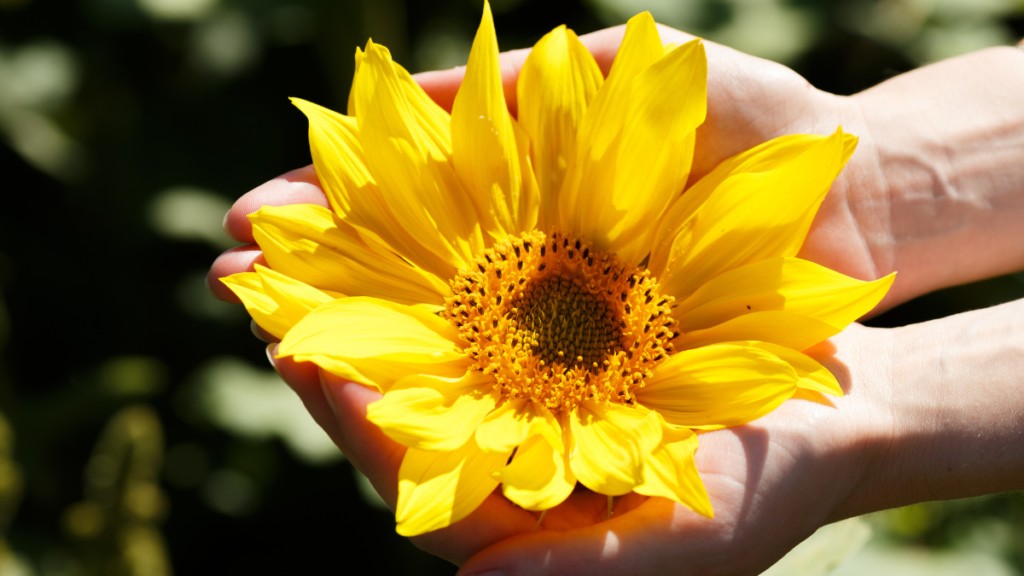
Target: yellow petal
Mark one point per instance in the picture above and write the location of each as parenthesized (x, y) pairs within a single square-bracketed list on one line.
[(670, 472), (407, 142), (782, 284), (311, 244), (649, 163), (641, 46), (811, 375), (275, 301), (486, 153), (594, 164), (431, 413), (718, 386), (408, 103), (510, 424), (756, 206), (341, 167), (375, 342), (611, 442), (762, 158), (539, 477), (337, 156), (556, 85), (358, 60), (794, 331), (437, 489)]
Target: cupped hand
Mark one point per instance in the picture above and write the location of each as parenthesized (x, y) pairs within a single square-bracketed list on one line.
[(750, 101), (772, 482)]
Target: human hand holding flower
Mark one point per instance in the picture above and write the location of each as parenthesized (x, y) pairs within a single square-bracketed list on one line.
[(750, 101), (755, 474), (771, 483), (933, 184), (929, 191)]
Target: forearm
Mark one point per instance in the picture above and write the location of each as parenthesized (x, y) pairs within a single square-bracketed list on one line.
[(949, 153), (956, 411)]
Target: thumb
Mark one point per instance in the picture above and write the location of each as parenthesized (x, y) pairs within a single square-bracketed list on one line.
[(649, 539)]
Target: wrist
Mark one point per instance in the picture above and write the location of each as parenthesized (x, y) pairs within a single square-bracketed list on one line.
[(955, 415), (946, 149), (862, 429)]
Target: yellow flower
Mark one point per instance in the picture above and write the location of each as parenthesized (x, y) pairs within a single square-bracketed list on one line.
[(536, 298)]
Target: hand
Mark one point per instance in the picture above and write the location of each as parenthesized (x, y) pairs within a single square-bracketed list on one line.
[(739, 473), (772, 483), (932, 411), (751, 100), (933, 185), (904, 432), (784, 466)]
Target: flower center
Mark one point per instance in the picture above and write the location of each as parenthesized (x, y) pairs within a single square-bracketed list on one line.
[(556, 322), (567, 323)]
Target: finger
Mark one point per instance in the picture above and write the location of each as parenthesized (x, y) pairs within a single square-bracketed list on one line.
[(299, 186), (495, 520), (233, 261), (604, 45), (633, 543), (261, 334), (379, 459), (340, 408), (443, 85), (643, 536), (304, 379), (374, 454)]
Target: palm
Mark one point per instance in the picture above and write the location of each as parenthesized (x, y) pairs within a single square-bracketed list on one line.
[(750, 101), (759, 477), (764, 480)]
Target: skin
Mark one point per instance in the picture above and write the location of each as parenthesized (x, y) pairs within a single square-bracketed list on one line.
[(931, 411)]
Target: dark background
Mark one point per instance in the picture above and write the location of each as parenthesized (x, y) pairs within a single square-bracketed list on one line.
[(141, 430)]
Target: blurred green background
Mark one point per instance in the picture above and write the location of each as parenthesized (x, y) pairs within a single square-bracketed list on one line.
[(141, 430)]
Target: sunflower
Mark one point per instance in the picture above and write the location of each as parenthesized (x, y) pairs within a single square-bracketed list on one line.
[(541, 300)]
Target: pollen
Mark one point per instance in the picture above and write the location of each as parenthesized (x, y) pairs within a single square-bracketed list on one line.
[(556, 322)]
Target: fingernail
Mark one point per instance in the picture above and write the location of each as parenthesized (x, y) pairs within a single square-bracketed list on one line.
[(262, 335), (271, 352)]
